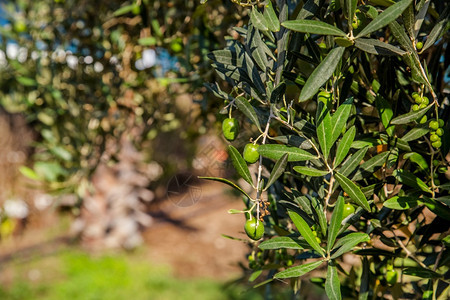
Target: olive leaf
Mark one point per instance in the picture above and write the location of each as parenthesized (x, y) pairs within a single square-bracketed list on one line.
[(352, 190), (314, 27), (239, 164), (387, 16), (321, 74), (277, 170), (298, 270)]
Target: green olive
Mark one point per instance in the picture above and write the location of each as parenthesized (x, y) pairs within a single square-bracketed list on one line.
[(434, 125), (348, 210), (434, 138), (415, 107), (423, 120), (440, 131), (437, 144), (441, 123), (391, 277), (254, 229), (419, 45), (230, 128), (251, 154)]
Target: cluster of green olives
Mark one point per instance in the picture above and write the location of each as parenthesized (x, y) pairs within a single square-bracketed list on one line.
[(230, 130), (421, 102), (436, 132)]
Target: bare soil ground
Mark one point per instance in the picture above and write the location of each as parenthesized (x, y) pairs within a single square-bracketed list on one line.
[(190, 238)]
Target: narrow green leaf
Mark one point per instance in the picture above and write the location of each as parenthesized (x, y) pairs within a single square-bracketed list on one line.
[(423, 8), (258, 20), (277, 171), (377, 47), (368, 167), (351, 8), (147, 41), (353, 191), (227, 57), (417, 159), (350, 165), (305, 127), (298, 271), (408, 19), (226, 181), (364, 286), (271, 18), (411, 180), (335, 222), (314, 27), (324, 129), (26, 81), (438, 208), (437, 30), (332, 284), (276, 151), (415, 133), (256, 47), (401, 203), (284, 242), (421, 272), (247, 109), (29, 173), (321, 74), (254, 275), (385, 112), (305, 231), (410, 116), (123, 10), (309, 171), (339, 119), (344, 145), (400, 35), (239, 164), (320, 214), (349, 241), (387, 16)]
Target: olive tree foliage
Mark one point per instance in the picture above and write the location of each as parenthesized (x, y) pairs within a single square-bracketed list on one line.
[(347, 103)]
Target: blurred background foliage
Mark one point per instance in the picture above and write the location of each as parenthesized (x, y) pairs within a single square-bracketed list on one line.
[(101, 83)]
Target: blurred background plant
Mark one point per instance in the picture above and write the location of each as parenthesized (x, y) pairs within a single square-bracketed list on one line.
[(104, 90)]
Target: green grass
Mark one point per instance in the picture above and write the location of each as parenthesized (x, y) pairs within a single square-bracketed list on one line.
[(77, 275)]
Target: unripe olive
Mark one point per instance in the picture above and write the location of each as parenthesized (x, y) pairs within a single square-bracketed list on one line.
[(419, 45), (425, 100), (437, 144), (441, 123), (254, 229), (415, 107), (230, 128), (251, 154), (391, 277), (439, 131), (348, 210), (423, 120), (434, 138), (434, 125)]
